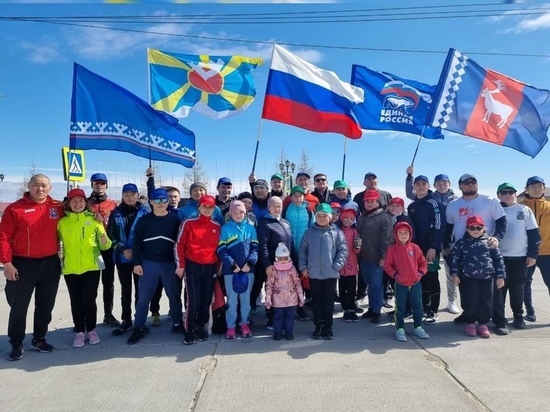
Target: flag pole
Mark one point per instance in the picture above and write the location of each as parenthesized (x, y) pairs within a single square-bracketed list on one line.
[(149, 95), (261, 119), (344, 160), (418, 145)]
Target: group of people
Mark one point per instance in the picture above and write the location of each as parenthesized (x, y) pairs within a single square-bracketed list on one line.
[(308, 248)]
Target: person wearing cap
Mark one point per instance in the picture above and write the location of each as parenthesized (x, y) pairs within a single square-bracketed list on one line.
[(191, 209), (336, 210), (29, 249), (341, 195), (224, 198), (83, 238), (321, 191), (322, 254), (153, 257), (371, 183), (471, 203), (519, 248), (535, 200), (303, 180), (122, 223), (102, 207), (276, 183), (197, 263), (476, 266), (375, 227), (261, 195), (428, 223), (347, 284)]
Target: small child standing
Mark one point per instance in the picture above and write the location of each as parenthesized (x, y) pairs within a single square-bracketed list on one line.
[(284, 292), (474, 267), (347, 284), (406, 264), (321, 262)]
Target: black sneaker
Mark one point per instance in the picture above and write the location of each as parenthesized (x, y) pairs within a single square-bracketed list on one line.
[(531, 317), (358, 309), (201, 334), (375, 318), (353, 317), (301, 313), (277, 336), (189, 338), (518, 322), (327, 333), (317, 332), (124, 327), (502, 330), (111, 321), (16, 352), (347, 316), (137, 335), (367, 314), (178, 328), (289, 336), (459, 319), (42, 345)]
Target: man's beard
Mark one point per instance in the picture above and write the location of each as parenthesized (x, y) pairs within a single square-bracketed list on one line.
[(469, 192)]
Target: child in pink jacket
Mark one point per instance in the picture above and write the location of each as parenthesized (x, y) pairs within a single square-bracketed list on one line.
[(284, 293), (347, 284)]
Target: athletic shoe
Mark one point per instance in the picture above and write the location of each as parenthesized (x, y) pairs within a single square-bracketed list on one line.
[(230, 334), (353, 317), (346, 316), (111, 321), (124, 327), (245, 331), (269, 324), (16, 352), (518, 322), (155, 320), (79, 339), (289, 336), (277, 336), (178, 328), (387, 304), (317, 332), (531, 317), (502, 330), (431, 318), (301, 313), (137, 335), (483, 331), (189, 338), (42, 345), (375, 318), (93, 337), (327, 333), (367, 314), (452, 308), (358, 309), (408, 314), (400, 335), (201, 334), (421, 333), (471, 329)]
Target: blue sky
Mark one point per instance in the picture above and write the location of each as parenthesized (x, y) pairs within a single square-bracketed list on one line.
[(36, 75)]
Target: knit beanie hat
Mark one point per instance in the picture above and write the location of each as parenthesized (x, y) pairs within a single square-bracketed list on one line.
[(282, 250), (261, 182), (245, 195), (235, 206), (195, 185)]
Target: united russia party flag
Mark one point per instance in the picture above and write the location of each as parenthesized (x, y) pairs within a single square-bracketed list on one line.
[(306, 96), (490, 106)]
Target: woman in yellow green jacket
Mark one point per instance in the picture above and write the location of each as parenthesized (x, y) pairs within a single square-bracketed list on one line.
[(83, 237)]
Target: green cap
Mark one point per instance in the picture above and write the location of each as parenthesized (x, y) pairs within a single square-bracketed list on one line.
[(506, 186), (277, 176), (298, 189), (323, 208), (340, 184)]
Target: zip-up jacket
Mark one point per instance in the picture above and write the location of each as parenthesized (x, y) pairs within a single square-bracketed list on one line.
[(541, 210), (102, 205), (191, 210), (80, 234), (238, 246), (376, 231), (351, 268), (122, 223), (428, 223), (271, 232), (474, 259), (198, 240), (311, 201), (284, 288), (29, 229), (300, 219), (405, 262)]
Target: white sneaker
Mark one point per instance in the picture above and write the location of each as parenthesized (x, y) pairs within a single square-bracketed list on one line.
[(452, 308)]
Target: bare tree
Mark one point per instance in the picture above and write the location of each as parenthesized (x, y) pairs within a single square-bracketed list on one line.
[(25, 183), (196, 174)]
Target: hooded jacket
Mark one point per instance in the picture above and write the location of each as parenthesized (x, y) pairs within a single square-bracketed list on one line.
[(405, 262), (541, 210), (238, 246), (474, 259)]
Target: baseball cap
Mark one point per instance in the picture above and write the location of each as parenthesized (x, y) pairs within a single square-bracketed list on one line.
[(475, 220), (421, 178), (466, 176), (346, 212), (371, 195), (207, 200), (534, 179), (335, 205), (277, 176), (397, 201), (505, 186), (303, 173), (224, 181), (98, 177), (159, 194), (370, 174), (441, 177), (75, 193), (129, 187), (323, 208), (298, 189), (339, 184)]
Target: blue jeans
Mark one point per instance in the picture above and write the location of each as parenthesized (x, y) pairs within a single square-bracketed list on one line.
[(372, 273), (413, 295), (283, 319), (233, 298), (148, 283), (543, 263)]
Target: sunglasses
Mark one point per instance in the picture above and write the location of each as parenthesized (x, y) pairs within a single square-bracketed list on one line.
[(320, 179), (469, 182), (282, 258), (159, 201), (477, 228), (507, 192)]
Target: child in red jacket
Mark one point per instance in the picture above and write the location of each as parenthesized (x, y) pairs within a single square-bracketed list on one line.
[(406, 264)]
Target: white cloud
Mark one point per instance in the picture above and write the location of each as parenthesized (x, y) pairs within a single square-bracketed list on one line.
[(540, 22), (42, 51)]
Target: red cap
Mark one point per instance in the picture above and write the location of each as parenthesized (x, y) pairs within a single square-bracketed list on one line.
[(207, 200), (475, 220), (371, 195), (335, 205), (397, 201), (348, 212), (75, 193)]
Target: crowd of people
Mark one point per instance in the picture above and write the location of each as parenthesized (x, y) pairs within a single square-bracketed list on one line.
[(310, 248)]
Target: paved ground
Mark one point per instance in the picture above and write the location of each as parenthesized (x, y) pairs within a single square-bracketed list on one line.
[(363, 369)]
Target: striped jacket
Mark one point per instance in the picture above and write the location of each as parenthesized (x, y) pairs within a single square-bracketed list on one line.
[(238, 245), (428, 222)]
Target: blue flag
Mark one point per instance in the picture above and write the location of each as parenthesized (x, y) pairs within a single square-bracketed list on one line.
[(105, 116), (393, 103)]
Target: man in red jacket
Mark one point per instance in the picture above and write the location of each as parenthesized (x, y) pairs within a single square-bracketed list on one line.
[(29, 251)]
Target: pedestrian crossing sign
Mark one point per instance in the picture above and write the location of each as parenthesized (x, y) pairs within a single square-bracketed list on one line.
[(73, 164)]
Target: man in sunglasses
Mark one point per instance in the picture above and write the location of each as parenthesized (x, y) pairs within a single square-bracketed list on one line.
[(471, 203), (321, 191)]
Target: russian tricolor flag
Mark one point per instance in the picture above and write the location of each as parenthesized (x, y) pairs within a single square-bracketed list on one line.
[(490, 106), (306, 96)]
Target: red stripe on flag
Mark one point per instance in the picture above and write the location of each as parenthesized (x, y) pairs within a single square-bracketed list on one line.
[(495, 109), (301, 115)]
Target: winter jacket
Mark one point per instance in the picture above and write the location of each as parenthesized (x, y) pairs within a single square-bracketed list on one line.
[(198, 240), (29, 229), (102, 205), (428, 223), (376, 231), (541, 209), (300, 219), (238, 245), (323, 252), (122, 223), (405, 262), (284, 288), (272, 231), (384, 199), (191, 210), (322, 198), (80, 234), (351, 268), (474, 259), (259, 208)]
